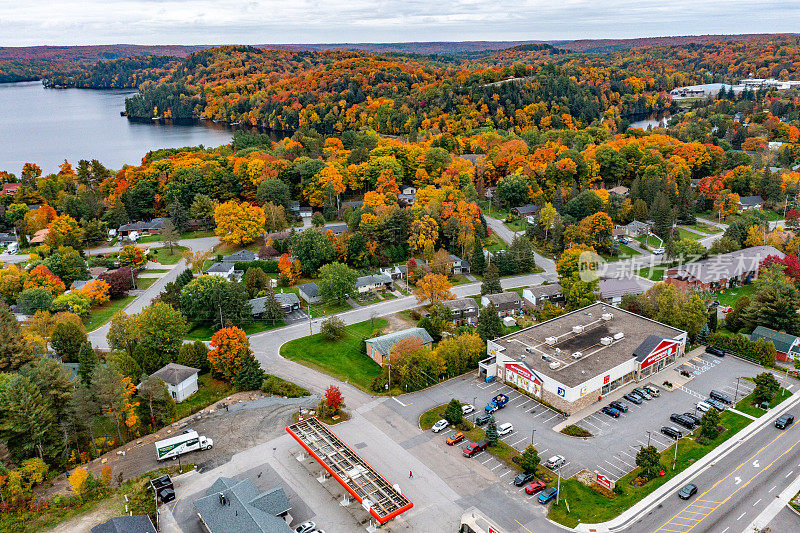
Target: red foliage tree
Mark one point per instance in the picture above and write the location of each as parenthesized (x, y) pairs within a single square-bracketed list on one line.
[(120, 281), (333, 398)]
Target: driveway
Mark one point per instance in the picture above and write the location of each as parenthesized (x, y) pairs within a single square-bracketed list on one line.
[(497, 226)]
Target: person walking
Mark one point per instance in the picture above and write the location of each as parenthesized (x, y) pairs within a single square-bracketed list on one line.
[(410, 474)]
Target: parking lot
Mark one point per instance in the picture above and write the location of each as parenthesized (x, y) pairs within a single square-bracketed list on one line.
[(612, 449)]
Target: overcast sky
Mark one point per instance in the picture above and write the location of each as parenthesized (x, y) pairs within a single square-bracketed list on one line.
[(31, 22)]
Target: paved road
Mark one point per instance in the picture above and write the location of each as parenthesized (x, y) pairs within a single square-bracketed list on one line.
[(507, 235)]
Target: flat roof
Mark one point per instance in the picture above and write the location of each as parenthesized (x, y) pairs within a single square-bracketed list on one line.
[(529, 345), (363, 482)]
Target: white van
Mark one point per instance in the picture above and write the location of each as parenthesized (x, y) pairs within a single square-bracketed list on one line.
[(13, 248), (703, 406)]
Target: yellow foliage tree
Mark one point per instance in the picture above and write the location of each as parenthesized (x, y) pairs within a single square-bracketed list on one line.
[(755, 237), (433, 288), (77, 479), (423, 230), (239, 223)]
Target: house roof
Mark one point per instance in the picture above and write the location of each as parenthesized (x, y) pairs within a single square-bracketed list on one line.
[(241, 255), (373, 279), (460, 304), (139, 523), (503, 298), (385, 343), (220, 267), (156, 223), (309, 289), (39, 236), (637, 224), (615, 287), (336, 229), (619, 189), (782, 341), (96, 271), (724, 266), (352, 203), (237, 507), (537, 291), (277, 235), (647, 346), (527, 209), (287, 298), (751, 200), (174, 374)]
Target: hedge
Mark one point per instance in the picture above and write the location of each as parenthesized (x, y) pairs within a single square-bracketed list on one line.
[(269, 267), (757, 351)]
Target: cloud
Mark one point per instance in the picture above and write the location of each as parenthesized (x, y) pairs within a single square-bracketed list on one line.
[(306, 21)]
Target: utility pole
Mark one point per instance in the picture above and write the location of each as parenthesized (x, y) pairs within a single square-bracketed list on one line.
[(675, 459), (648, 439), (532, 432), (558, 486), (736, 394)]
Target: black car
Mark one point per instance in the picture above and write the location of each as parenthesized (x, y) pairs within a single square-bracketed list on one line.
[(687, 492), (634, 398), (720, 397), (682, 420), (784, 421), (671, 432), (482, 420), (525, 477), (693, 417), (619, 406), (713, 350)]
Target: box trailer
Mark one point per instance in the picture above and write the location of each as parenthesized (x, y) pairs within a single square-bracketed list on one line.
[(186, 442)]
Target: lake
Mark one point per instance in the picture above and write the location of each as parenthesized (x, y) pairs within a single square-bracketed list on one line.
[(46, 126)]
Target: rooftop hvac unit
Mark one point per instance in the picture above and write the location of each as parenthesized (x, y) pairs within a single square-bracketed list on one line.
[(607, 316), (577, 355), (605, 341), (618, 336), (577, 329), (558, 351), (550, 341), (554, 365)]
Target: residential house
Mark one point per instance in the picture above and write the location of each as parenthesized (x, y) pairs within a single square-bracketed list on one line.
[(465, 310), (277, 236), (787, 346), (352, 204), (181, 380), (289, 302), (373, 283), (460, 266), (223, 270), (231, 506), (7, 238), (637, 228), (408, 195), (774, 146), (244, 256), (394, 272), (506, 303), (524, 211), (139, 523), (294, 207), (379, 347), (309, 292), (337, 229), (619, 190), (538, 294), (142, 228), (10, 189), (39, 236), (305, 212), (721, 271), (750, 202), (95, 272), (613, 289)]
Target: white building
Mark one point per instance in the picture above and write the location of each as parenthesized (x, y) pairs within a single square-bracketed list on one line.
[(181, 380)]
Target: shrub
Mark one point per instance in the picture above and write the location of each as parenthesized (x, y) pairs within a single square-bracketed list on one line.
[(453, 413), (332, 329), (279, 387), (575, 431)]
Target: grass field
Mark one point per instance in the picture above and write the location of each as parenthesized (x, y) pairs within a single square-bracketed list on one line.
[(325, 309), (686, 234), (702, 227), (729, 296), (589, 506), (517, 225), (745, 405), (204, 333), (493, 243), (342, 359), (162, 255), (144, 283), (655, 273), (157, 270), (209, 390), (103, 314)]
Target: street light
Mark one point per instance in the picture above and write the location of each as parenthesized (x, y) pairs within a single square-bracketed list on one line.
[(474, 409), (648, 439), (736, 394), (532, 432)]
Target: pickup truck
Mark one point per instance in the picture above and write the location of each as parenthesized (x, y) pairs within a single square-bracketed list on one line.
[(498, 402), (474, 448)]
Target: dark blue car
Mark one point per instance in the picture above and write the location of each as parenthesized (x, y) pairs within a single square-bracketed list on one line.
[(633, 398), (619, 406), (547, 495), (610, 411)]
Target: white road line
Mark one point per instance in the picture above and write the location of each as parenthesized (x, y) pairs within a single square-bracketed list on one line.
[(615, 466), (724, 530), (496, 467), (610, 473), (520, 440), (552, 417), (501, 475), (773, 488), (398, 401), (741, 515), (542, 451), (789, 474), (757, 502), (629, 455)]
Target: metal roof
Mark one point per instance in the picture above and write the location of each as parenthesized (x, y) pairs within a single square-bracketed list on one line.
[(235, 507), (385, 343), (379, 497), (783, 342), (174, 374)]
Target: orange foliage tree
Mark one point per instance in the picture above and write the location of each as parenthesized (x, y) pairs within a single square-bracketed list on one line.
[(41, 276), (229, 346), (97, 291)]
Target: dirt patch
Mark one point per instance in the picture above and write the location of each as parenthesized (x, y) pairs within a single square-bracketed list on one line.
[(84, 523), (398, 322), (236, 423)]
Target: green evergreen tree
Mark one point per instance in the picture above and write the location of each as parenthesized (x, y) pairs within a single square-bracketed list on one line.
[(529, 460), (453, 413), (709, 424), (491, 281), (766, 387), (14, 349), (250, 374), (478, 260), (87, 359), (489, 324), (492, 437), (649, 460)]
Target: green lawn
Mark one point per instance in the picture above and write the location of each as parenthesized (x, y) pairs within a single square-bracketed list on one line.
[(145, 283), (204, 333), (517, 225), (686, 234), (342, 359), (625, 252), (431, 416), (149, 238), (493, 243), (162, 255), (702, 227), (729, 296), (655, 273), (157, 270), (325, 309), (101, 315), (209, 390), (745, 405), (649, 240), (589, 506)]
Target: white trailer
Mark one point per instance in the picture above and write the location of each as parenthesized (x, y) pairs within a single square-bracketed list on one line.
[(186, 442)]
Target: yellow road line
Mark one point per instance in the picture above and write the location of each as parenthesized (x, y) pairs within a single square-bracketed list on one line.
[(528, 530)]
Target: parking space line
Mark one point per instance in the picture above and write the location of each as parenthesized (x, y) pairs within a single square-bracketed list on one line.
[(542, 451), (615, 466), (610, 473), (508, 472), (486, 461), (496, 467), (553, 417), (520, 440)]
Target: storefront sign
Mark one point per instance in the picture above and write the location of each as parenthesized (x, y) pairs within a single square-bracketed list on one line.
[(603, 481), (607, 379), (583, 391), (522, 376), (562, 392), (665, 349)]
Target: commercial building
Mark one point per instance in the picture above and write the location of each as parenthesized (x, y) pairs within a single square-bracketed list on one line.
[(231, 506), (721, 271), (573, 360)]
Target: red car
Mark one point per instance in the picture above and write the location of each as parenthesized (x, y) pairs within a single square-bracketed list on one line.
[(726, 309), (534, 487)]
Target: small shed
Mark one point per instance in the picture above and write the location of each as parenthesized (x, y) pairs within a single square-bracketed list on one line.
[(309, 292), (181, 380)]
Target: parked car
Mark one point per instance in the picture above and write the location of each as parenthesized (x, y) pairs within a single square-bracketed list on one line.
[(658, 251), (610, 411), (523, 478), (784, 421), (474, 448), (693, 417), (681, 420), (720, 397), (547, 495), (719, 406), (619, 406), (672, 432), (634, 398), (535, 486), (455, 438), (440, 425), (482, 420), (703, 406), (726, 308), (653, 390), (305, 527), (505, 428), (467, 409), (643, 393), (556, 461), (713, 350), (687, 492)]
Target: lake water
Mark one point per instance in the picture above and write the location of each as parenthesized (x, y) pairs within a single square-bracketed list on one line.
[(46, 126)]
